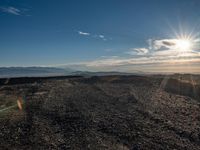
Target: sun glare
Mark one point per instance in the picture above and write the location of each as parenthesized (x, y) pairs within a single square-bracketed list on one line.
[(183, 45)]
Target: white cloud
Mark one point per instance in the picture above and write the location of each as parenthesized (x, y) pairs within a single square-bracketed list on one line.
[(11, 10), (158, 52), (166, 47), (120, 61), (110, 56), (83, 33), (162, 52), (164, 44), (101, 36), (153, 64), (138, 51)]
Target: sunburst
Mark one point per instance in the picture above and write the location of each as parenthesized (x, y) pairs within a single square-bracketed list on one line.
[(183, 45)]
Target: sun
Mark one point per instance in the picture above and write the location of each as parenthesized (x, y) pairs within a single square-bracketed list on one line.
[(183, 45)]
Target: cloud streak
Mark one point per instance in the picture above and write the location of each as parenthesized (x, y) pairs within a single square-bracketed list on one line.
[(158, 52), (11, 10), (138, 51), (164, 44), (120, 61), (83, 33), (100, 36)]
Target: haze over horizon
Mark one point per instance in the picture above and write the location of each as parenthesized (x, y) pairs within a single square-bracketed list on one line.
[(114, 35)]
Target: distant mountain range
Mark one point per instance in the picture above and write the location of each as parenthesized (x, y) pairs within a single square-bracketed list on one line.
[(33, 71), (88, 73), (7, 72)]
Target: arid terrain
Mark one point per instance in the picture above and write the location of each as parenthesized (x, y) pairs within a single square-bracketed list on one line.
[(154, 112)]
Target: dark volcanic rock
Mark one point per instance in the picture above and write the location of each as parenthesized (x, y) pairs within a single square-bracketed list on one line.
[(181, 88), (110, 112)]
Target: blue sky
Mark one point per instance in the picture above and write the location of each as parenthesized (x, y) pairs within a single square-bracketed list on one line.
[(99, 35)]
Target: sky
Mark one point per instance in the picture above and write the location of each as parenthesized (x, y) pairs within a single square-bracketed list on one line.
[(101, 35)]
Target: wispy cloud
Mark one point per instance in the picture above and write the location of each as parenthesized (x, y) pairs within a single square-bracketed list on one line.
[(11, 10), (166, 47), (153, 63), (121, 61), (98, 36), (157, 53), (114, 56), (83, 33), (102, 37), (138, 51), (164, 44)]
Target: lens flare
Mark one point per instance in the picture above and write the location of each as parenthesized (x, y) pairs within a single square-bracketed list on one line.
[(19, 103), (183, 45)]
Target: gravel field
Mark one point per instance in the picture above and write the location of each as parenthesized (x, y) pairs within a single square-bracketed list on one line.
[(109, 112)]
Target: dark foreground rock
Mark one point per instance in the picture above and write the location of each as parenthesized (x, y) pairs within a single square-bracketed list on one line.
[(113, 112)]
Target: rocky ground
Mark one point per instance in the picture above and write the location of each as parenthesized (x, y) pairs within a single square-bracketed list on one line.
[(111, 112)]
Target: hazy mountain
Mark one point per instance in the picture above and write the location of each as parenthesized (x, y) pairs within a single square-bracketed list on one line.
[(88, 73), (52, 71), (32, 71)]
